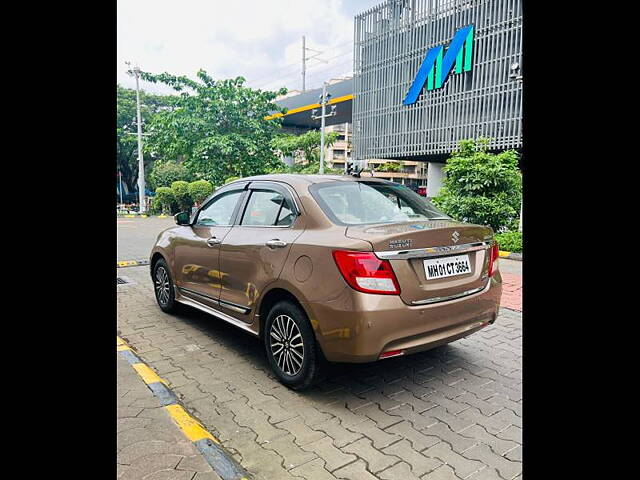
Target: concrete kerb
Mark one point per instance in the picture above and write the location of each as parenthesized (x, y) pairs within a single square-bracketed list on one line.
[(209, 446), (511, 255)]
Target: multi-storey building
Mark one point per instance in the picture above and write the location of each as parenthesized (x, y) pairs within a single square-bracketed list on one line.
[(410, 173), (426, 75)]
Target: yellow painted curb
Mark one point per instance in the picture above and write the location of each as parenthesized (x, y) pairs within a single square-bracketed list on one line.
[(119, 341), (504, 254), (126, 263), (148, 375), (129, 216), (189, 426), (122, 348)]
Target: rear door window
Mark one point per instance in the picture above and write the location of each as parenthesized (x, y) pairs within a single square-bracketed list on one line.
[(267, 208)]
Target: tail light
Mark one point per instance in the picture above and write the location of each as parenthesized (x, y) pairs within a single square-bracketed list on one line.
[(366, 273), (493, 259)]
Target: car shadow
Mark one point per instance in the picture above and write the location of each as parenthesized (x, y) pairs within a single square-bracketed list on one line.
[(352, 377)]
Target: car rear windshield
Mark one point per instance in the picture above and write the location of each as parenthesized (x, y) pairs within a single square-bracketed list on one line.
[(358, 203)]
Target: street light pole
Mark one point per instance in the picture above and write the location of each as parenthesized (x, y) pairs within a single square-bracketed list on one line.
[(141, 183), (120, 178), (324, 109), (324, 98)]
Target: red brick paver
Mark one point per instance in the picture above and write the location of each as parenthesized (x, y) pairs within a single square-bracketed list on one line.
[(511, 291)]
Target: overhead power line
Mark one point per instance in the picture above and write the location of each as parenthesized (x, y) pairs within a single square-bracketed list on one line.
[(284, 75)]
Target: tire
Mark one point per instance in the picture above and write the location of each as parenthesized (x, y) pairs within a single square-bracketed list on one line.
[(163, 287), (288, 322)]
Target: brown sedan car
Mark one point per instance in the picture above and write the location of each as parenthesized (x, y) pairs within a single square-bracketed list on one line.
[(337, 268)]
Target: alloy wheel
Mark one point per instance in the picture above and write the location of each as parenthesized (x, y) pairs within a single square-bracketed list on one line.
[(286, 344), (162, 285)]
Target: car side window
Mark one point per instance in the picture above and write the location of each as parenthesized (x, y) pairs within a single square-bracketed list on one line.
[(220, 211), (268, 208)]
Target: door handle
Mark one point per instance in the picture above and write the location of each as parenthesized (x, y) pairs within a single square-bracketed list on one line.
[(213, 241), (276, 243)]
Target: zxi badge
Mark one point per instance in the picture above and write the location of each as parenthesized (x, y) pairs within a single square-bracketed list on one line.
[(455, 236)]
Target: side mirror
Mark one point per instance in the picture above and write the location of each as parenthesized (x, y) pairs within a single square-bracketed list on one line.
[(182, 218)]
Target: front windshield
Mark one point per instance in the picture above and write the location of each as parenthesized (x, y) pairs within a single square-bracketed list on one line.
[(357, 203)]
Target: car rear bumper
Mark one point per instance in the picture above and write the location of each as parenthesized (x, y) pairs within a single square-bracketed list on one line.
[(358, 327)]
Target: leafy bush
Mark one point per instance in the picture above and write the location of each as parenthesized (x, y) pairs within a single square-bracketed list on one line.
[(180, 190), (482, 187), (389, 167), (510, 241), (305, 146), (230, 179), (165, 199), (163, 174), (199, 190)]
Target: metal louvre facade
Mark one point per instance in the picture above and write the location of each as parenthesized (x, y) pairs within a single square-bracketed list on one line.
[(391, 41)]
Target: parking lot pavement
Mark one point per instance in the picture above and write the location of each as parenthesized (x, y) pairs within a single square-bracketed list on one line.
[(511, 291), (136, 236), (451, 413), (149, 444)]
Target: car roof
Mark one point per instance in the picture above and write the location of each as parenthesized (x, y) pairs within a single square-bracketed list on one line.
[(300, 179)]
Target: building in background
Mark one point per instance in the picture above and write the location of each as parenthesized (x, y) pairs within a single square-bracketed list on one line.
[(410, 173), (426, 74), (429, 73)]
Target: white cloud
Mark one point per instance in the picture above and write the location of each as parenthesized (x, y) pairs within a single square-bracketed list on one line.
[(258, 39)]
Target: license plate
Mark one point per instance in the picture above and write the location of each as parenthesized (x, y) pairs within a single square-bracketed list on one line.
[(446, 267)]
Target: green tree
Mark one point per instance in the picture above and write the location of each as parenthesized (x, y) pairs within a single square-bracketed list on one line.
[(166, 199), (199, 190), (164, 173), (216, 127), (180, 191), (127, 141), (390, 167), (482, 187), (305, 147)]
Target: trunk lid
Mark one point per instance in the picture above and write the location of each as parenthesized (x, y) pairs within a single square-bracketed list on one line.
[(406, 245)]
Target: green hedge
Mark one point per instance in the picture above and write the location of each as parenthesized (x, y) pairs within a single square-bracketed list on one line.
[(199, 190), (510, 241), (181, 192), (165, 199)]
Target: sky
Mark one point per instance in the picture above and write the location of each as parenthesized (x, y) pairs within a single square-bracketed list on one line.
[(260, 40)]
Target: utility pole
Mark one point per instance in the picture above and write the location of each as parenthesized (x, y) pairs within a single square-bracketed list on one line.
[(305, 58), (324, 98), (346, 147), (324, 109), (304, 62), (141, 183), (120, 178)]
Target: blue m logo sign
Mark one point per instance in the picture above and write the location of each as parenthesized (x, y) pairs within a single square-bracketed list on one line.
[(437, 64)]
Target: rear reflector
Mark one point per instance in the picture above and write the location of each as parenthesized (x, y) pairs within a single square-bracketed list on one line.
[(493, 258), (392, 353), (365, 272)]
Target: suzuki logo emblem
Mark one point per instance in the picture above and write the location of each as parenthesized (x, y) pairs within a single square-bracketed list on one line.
[(455, 236)]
